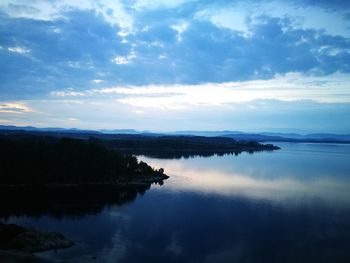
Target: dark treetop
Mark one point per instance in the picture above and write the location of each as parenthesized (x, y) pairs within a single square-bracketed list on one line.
[(40, 160)]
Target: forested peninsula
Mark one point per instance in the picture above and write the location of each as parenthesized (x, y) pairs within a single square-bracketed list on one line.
[(79, 173), (44, 158), (56, 176), (41, 160)]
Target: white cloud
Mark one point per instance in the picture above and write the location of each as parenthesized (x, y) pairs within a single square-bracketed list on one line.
[(112, 11), (18, 50), (14, 107), (153, 4), (290, 87), (180, 28), (35, 10), (122, 60), (232, 17), (97, 81), (56, 30), (5, 121), (239, 15), (307, 17), (189, 107), (67, 94)]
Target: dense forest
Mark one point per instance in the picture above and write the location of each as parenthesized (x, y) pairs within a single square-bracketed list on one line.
[(186, 144), (159, 146), (41, 160)]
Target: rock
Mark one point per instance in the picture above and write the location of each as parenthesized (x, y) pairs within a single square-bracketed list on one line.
[(31, 240)]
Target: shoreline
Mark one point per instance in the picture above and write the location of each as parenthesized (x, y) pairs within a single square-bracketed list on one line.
[(135, 182), (18, 243)]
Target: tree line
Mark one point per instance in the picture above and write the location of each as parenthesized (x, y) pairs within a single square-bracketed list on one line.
[(42, 160)]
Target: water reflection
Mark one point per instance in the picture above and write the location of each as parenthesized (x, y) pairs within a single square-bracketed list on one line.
[(177, 154), (197, 228), (293, 174), (276, 189), (290, 205), (58, 202)]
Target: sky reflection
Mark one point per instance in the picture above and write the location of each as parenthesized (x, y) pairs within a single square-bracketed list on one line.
[(292, 175)]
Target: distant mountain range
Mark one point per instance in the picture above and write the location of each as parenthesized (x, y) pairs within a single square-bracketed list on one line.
[(260, 137), (272, 137), (34, 129), (280, 137)]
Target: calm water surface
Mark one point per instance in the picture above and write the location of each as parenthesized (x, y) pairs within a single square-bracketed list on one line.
[(291, 205)]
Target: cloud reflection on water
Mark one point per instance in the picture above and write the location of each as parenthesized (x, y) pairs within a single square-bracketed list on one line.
[(185, 176)]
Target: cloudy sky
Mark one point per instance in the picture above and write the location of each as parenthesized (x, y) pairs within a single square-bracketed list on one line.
[(165, 65)]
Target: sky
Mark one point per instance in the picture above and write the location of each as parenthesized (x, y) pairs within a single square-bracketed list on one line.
[(165, 65)]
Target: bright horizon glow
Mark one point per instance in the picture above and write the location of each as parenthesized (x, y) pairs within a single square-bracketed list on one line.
[(290, 87)]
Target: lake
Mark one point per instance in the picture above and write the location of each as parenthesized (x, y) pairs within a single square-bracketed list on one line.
[(290, 205)]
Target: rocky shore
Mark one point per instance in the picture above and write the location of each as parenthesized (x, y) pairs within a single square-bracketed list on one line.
[(23, 241)]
